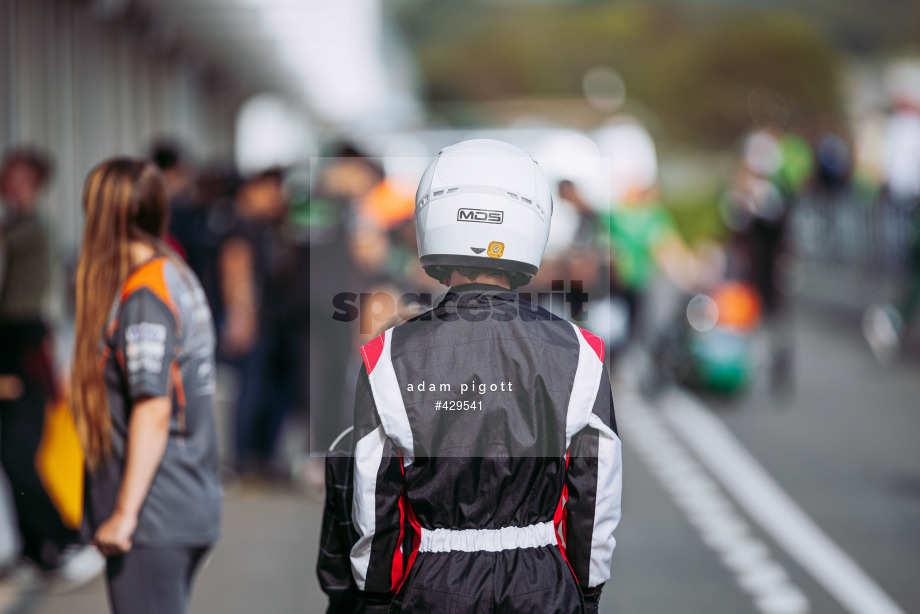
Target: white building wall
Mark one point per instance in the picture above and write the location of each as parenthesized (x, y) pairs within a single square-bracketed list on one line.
[(84, 88)]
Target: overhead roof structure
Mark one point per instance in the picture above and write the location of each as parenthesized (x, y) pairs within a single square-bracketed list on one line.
[(340, 58)]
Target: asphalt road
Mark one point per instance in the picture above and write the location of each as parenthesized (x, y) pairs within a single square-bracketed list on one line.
[(730, 505)]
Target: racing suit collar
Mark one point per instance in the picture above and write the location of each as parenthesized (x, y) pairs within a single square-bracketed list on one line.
[(479, 289)]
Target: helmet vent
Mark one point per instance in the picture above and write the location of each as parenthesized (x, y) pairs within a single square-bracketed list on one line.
[(527, 200), (512, 195), (452, 190), (438, 193)]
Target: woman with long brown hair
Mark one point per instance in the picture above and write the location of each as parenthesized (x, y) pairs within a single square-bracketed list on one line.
[(143, 384)]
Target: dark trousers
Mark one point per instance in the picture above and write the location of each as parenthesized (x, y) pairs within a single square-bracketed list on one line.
[(24, 354), (153, 580), (266, 375)]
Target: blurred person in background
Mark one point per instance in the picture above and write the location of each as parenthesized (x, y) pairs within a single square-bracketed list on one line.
[(28, 383), (885, 325), (349, 248), (26, 242), (584, 266), (179, 180), (354, 178), (209, 221), (143, 387), (573, 270), (256, 269), (644, 241), (797, 167), (388, 209), (833, 167), (755, 209), (772, 170)]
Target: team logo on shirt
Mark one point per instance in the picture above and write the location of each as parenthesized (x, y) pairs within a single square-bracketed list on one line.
[(496, 249), (145, 346), (146, 331)]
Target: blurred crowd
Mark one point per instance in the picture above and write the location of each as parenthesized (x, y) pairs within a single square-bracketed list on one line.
[(301, 265)]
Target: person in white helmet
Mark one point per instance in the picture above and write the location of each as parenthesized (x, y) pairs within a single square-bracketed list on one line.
[(487, 466)]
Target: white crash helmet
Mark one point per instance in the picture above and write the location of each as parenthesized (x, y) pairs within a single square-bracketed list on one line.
[(483, 203)]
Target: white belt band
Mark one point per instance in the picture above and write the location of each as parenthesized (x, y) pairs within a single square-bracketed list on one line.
[(488, 540)]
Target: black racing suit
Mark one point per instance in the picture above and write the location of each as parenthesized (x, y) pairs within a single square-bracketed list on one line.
[(486, 427)]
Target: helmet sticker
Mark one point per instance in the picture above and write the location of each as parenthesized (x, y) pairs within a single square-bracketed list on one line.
[(487, 216), (478, 250), (496, 249)]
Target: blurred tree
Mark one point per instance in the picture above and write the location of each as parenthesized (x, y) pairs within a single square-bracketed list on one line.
[(764, 69), (705, 74)]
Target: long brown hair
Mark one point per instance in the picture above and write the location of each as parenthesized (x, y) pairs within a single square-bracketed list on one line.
[(124, 200)]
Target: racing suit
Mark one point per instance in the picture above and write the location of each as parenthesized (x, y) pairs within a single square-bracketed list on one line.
[(485, 427)]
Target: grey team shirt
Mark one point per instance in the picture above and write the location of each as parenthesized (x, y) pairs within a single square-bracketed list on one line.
[(160, 342)]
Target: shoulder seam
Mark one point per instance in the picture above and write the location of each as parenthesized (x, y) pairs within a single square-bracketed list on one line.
[(152, 277)]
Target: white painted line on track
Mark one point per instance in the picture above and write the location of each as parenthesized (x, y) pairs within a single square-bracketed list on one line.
[(708, 509), (774, 510)]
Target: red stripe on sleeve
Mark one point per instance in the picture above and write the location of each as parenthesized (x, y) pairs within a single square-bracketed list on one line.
[(405, 513), (371, 352), (416, 539), (560, 514), (596, 343), (560, 518), (396, 571)]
